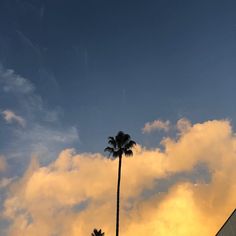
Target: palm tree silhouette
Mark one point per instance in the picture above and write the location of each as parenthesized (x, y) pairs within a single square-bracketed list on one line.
[(97, 233), (119, 145)]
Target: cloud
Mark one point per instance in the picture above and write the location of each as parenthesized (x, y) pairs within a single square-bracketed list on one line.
[(44, 141), (11, 117), (4, 182), (156, 125), (13, 82), (183, 125), (41, 134), (3, 163), (77, 192), (46, 132), (28, 42)]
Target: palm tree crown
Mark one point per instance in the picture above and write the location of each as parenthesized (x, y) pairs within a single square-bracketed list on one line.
[(120, 144), (97, 233)]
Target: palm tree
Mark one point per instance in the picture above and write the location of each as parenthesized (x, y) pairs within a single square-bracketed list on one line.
[(97, 233), (119, 145)]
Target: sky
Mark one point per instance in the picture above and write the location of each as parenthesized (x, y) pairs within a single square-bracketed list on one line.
[(74, 72)]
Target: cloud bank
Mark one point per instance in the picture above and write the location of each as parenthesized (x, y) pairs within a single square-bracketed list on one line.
[(76, 192)]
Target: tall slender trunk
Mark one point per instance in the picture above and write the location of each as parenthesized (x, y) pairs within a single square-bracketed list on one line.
[(118, 196)]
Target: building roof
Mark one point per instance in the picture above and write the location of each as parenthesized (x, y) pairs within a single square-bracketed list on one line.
[(229, 227)]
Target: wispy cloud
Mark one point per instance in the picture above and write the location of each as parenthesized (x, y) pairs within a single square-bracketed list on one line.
[(4, 182), (156, 125), (29, 43), (45, 132), (45, 140), (13, 82), (10, 117)]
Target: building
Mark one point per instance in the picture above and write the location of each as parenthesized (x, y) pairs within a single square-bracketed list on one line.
[(229, 227)]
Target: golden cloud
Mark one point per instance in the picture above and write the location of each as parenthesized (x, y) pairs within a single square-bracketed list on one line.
[(77, 192)]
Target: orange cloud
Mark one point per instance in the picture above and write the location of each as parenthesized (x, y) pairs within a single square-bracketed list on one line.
[(77, 192), (3, 163)]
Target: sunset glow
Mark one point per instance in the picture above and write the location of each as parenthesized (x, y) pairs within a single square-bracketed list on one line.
[(117, 118), (76, 192)]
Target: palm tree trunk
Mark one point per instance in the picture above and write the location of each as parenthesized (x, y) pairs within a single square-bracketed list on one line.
[(118, 196)]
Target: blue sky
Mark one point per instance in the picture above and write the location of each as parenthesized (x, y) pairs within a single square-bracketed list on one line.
[(96, 67)]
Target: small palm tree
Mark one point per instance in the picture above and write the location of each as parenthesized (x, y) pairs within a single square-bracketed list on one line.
[(119, 145), (97, 233)]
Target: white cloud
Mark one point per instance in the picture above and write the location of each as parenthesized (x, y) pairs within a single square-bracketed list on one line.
[(42, 141), (183, 125), (11, 117), (45, 132), (156, 125), (14, 83)]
